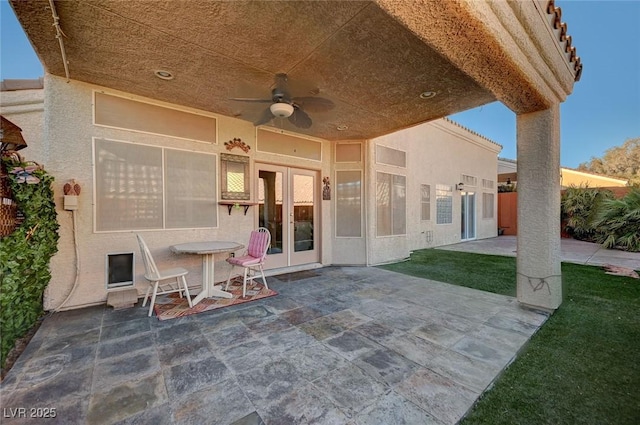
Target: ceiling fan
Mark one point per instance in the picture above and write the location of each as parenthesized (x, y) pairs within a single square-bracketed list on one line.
[(283, 105)]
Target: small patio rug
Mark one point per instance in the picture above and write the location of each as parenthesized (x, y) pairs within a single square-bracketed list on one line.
[(171, 306)]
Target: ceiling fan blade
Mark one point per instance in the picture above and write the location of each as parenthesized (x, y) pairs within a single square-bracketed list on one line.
[(251, 99), (299, 118), (314, 104), (264, 118)]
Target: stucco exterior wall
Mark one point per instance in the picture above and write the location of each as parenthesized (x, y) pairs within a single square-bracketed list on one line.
[(438, 152), (25, 109), (577, 178), (69, 123)]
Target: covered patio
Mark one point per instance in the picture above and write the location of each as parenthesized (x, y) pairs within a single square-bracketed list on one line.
[(382, 66), (338, 345)]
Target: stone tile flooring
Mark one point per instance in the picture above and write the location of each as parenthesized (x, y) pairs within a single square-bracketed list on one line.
[(338, 345)]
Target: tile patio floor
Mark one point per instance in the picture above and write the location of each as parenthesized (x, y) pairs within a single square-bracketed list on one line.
[(338, 345)]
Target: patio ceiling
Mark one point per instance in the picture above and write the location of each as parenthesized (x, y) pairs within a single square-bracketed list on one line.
[(353, 53)]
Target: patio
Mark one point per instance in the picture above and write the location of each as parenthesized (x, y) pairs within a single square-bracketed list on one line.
[(338, 345)]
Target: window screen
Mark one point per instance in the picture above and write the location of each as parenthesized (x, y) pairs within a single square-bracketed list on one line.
[(390, 156), (349, 203), (487, 205), (425, 202), (191, 189), (348, 152), (137, 189), (390, 204), (128, 186)]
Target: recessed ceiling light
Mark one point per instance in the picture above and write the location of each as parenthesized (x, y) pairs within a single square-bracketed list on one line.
[(163, 74), (342, 127), (427, 94)]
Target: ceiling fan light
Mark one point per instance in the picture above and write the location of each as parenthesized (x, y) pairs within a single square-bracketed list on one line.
[(281, 110)]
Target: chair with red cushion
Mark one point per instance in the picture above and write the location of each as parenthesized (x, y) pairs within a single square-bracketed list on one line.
[(253, 260)]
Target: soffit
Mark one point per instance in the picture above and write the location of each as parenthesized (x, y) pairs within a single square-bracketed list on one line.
[(354, 53)]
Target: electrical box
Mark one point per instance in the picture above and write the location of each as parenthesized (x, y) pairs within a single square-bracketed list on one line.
[(70, 202), (120, 270)]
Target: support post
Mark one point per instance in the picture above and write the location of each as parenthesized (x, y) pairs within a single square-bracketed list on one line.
[(539, 276)]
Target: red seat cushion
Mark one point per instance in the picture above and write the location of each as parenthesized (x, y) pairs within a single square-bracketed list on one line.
[(245, 260)]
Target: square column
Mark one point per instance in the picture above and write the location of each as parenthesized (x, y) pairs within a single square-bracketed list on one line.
[(539, 276)]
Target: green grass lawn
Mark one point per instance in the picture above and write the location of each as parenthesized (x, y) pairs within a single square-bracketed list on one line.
[(581, 367)]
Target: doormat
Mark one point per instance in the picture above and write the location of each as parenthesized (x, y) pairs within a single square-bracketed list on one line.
[(171, 306)]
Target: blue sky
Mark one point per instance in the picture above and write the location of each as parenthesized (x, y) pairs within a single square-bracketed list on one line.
[(602, 112)]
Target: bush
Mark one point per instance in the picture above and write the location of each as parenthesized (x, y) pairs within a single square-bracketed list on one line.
[(618, 222), (579, 208), (24, 258)]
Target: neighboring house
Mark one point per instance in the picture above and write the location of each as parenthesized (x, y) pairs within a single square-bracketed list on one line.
[(140, 103), (508, 181), (507, 170)]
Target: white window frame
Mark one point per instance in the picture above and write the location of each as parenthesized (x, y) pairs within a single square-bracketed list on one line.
[(164, 206)]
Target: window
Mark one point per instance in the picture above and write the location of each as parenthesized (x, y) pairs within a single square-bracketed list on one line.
[(487, 205), (444, 204), (487, 184), (348, 152), (468, 180), (390, 204), (119, 112), (147, 187), (349, 204), (390, 156), (425, 196)]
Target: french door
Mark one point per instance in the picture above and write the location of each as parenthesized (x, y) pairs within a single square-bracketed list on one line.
[(468, 216), (288, 207)]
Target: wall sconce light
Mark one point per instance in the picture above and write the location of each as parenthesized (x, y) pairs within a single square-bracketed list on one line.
[(460, 186)]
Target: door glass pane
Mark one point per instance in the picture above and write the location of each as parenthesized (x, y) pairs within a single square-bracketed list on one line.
[(468, 215), (471, 214), (303, 196), (399, 202), (270, 207), (463, 216)]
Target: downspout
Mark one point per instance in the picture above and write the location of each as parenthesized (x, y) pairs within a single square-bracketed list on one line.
[(59, 35)]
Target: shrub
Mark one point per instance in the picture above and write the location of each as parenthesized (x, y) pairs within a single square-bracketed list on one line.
[(579, 207), (24, 258), (618, 222)]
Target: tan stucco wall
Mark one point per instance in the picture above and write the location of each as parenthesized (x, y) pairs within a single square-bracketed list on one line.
[(25, 109), (438, 152), (576, 178), (70, 129)]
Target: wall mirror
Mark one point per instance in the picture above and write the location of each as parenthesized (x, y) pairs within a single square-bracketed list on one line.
[(235, 177)]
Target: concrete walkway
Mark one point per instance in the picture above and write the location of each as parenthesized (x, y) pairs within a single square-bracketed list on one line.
[(338, 345), (573, 251)]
